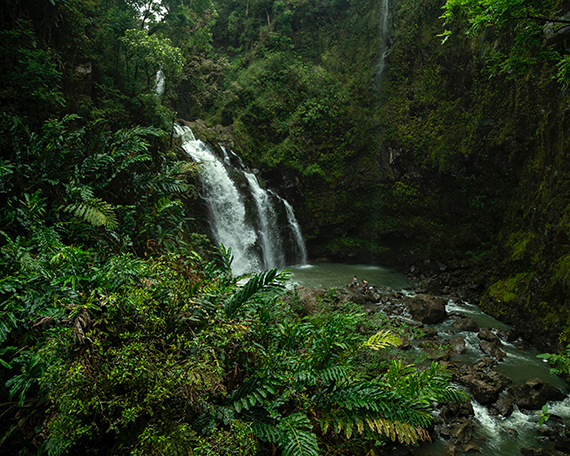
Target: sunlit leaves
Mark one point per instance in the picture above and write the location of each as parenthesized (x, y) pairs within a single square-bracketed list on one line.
[(157, 53)]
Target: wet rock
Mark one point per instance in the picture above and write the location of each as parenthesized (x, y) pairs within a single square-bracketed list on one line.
[(457, 344), (488, 335), (351, 294), (470, 448), (466, 324), (535, 393), (461, 431), (485, 386), (511, 335), (534, 452), (503, 406), (562, 443), (492, 349), (455, 410), (427, 309), (372, 296)]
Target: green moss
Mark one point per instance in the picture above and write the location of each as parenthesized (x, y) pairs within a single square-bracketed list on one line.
[(504, 296), (519, 243)]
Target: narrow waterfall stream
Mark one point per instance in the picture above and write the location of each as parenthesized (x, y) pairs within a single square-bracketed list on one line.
[(300, 251), (159, 83), (383, 31), (271, 245), (256, 239)]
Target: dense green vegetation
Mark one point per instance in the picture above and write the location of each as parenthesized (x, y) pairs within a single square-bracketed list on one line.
[(122, 330)]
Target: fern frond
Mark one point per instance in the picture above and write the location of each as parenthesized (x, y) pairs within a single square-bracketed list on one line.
[(263, 281), (382, 339), (333, 374), (95, 211), (266, 431), (296, 436)]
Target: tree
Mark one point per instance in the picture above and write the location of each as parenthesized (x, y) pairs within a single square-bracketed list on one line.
[(519, 27)]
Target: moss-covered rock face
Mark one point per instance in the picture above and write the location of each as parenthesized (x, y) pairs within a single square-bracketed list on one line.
[(479, 165)]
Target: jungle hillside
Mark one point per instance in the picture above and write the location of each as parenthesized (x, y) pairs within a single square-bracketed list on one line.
[(407, 133)]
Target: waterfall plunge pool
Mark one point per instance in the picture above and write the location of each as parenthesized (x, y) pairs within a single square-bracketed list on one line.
[(326, 275)]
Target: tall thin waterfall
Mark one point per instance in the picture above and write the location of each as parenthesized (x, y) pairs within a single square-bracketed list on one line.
[(296, 229), (159, 83), (300, 249), (268, 231), (228, 216), (256, 239), (383, 30)]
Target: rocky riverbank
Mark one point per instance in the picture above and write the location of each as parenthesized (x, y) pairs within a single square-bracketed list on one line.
[(474, 355)]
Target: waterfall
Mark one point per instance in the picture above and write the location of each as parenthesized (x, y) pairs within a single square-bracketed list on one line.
[(301, 250), (159, 83), (383, 29), (269, 233), (228, 216), (227, 160), (264, 231)]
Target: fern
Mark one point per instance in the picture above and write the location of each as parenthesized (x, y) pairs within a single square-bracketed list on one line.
[(264, 281), (95, 211), (296, 438), (381, 340)]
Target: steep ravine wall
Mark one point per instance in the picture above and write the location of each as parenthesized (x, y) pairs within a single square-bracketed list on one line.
[(476, 170), (438, 160)]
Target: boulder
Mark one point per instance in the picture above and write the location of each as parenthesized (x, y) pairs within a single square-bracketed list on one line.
[(485, 386), (461, 431), (351, 294), (372, 296), (457, 344), (427, 309), (454, 410), (489, 336), (492, 349), (466, 324), (535, 393), (503, 406)]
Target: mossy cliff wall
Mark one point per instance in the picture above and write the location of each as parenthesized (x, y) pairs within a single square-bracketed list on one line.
[(476, 168)]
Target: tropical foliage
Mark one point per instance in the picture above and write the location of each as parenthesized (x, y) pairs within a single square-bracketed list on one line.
[(516, 30)]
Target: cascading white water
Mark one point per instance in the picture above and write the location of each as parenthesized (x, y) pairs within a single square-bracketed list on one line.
[(227, 160), (159, 83), (269, 233), (228, 216), (301, 250), (383, 29)]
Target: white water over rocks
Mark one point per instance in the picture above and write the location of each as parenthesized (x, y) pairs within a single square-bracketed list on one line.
[(255, 239), (270, 243), (296, 229)]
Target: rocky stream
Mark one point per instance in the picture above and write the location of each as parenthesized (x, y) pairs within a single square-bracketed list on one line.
[(507, 383)]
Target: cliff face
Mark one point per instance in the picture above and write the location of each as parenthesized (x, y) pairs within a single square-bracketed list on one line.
[(445, 155), (476, 168)]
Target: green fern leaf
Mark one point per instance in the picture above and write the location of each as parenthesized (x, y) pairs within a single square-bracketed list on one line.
[(96, 212), (381, 340)]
